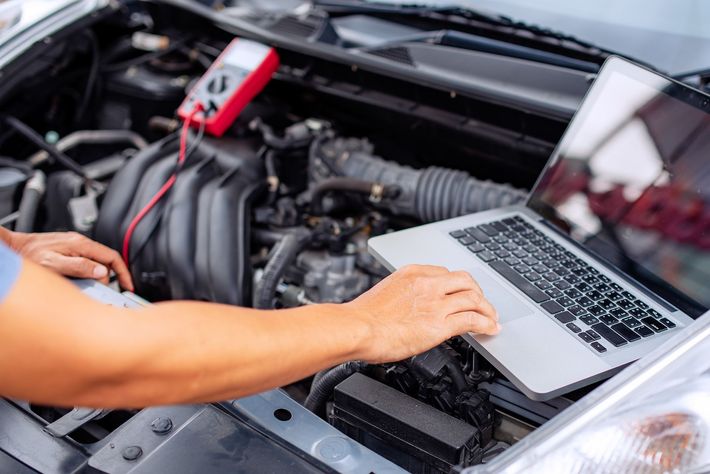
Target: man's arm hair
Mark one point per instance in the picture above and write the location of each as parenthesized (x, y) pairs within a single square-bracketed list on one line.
[(60, 347)]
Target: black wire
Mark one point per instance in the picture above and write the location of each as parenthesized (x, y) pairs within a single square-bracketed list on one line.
[(91, 80), (34, 137)]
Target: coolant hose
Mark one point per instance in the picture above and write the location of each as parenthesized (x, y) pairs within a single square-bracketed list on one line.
[(285, 253), (324, 383), (375, 191), (31, 198)]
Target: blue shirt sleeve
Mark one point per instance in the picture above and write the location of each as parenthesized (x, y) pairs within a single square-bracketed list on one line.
[(10, 264)]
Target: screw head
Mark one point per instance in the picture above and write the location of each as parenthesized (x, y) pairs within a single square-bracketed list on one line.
[(132, 453), (161, 425)]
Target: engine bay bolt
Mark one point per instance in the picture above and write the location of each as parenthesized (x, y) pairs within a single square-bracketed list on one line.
[(161, 425), (132, 453)]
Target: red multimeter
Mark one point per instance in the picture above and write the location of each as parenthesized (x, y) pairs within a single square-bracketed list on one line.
[(235, 77)]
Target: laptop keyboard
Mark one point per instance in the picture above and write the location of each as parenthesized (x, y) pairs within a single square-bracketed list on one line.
[(599, 311)]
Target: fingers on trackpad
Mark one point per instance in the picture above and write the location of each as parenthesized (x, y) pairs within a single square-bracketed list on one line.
[(509, 305)]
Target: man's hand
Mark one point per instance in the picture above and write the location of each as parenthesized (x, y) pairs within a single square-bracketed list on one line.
[(418, 307), (72, 255)]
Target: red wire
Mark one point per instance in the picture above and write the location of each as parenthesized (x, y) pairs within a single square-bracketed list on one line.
[(164, 189)]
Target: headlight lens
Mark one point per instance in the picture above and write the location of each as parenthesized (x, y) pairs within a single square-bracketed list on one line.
[(664, 433)]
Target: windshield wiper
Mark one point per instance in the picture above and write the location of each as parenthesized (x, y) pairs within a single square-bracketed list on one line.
[(453, 13)]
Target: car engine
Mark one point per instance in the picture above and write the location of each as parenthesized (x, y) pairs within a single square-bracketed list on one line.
[(276, 212)]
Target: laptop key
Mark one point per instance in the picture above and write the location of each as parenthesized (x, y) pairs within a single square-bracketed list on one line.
[(562, 285), (625, 304), (522, 268), (571, 279), (583, 287), (512, 261), (593, 335), (625, 332), (457, 234), (604, 278), (590, 279), (585, 302), (553, 293), (643, 331), (607, 333), (594, 295), (499, 226), (573, 327), (631, 322), (654, 313), (637, 313), (606, 304), (614, 296), (602, 287), (476, 247), (608, 319), (540, 268), (598, 347), (618, 313), (478, 235), (551, 277), (507, 272), (589, 320), (466, 240), (489, 230), (520, 253), (486, 256), (585, 337), (615, 286), (533, 277), (543, 284), (654, 324), (573, 293), (552, 307), (566, 302), (502, 253), (595, 310), (577, 310), (667, 322)]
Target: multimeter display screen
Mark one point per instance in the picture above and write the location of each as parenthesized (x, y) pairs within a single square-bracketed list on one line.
[(245, 55)]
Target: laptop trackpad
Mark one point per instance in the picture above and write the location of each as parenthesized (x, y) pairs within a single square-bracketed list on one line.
[(507, 303)]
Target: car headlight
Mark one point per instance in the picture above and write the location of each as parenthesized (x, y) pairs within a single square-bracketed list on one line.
[(652, 418), (665, 433)]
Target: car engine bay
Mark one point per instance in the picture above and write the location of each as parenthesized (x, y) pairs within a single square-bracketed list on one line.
[(276, 212)]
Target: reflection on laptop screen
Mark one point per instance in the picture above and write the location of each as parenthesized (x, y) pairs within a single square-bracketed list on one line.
[(631, 181)]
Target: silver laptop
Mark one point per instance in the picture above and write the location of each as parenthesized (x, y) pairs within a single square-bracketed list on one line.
[(609, 256)]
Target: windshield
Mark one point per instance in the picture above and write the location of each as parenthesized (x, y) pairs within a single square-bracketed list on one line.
[(673, 36)]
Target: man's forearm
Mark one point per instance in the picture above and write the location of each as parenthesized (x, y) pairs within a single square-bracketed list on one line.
[(85, 353), (217, 352)]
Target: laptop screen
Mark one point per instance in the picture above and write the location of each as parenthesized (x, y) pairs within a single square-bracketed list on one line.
[(630, 181)]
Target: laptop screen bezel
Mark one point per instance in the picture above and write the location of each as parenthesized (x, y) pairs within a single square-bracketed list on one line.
[(613, 64)]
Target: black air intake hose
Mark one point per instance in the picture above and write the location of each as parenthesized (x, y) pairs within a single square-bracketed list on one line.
[(429, 194), (284, 255), (324, 383)]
